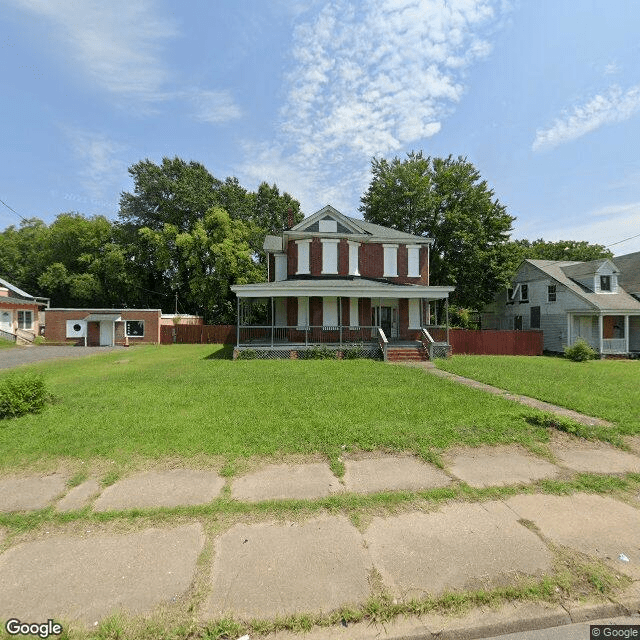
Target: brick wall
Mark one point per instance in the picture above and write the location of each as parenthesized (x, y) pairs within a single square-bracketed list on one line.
[(56, 325), (315, 259)]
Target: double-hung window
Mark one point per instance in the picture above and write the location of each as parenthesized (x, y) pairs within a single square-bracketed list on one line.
[(551, 293), (605, 283), (390, 260), (25, 319), (329, 256), (413, 261), (303, 256)]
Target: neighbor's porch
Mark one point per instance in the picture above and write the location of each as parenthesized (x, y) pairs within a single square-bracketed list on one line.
[(608, 334)]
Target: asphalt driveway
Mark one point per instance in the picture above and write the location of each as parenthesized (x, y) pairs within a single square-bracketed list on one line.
[(26, 355)]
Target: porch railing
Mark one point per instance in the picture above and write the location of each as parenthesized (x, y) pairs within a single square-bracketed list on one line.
[(265, 336), (614, 345)]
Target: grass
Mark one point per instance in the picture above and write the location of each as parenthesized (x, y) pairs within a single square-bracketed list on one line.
[(6, 344), (182, 400), (605, 389)]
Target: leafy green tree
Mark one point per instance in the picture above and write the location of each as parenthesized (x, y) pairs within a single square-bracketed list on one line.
[(447, 200), (578, 250)]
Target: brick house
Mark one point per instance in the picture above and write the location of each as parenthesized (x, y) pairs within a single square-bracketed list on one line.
[(338, 280), (20, 313), (103, 327)]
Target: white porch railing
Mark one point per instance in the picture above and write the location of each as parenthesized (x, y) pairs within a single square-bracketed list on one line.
[(614, 345)]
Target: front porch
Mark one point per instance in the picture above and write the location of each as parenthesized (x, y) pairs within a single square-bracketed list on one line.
[(608, 334)]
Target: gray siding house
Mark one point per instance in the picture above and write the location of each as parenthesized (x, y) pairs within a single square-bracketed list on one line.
[(569, 301)]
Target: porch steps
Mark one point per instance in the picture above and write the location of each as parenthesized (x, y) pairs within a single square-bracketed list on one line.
[(406, 353)]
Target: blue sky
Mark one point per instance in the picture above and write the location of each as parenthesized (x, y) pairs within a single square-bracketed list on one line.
[(543, 97)]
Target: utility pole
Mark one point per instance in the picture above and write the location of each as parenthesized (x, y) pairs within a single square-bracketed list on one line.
[(176, 303)]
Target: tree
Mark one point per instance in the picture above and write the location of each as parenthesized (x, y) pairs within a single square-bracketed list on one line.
[(446, 199), (580, 251)]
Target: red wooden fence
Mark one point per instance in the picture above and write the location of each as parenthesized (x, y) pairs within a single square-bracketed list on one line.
[(485, 342)]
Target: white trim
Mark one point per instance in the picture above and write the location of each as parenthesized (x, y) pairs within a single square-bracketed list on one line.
[(328, 226), (357, 289), (414, 314), (304, 268), (329, 256)]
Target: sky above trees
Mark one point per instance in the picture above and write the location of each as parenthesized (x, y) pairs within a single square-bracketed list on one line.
[(542, 97)]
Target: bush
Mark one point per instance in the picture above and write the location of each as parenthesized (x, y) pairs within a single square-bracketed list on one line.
[(21, 394), (353, 351), (318, 353), (580, 352), (247, 354)]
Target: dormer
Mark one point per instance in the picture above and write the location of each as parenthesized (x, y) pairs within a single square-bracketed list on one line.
[(598, 276)]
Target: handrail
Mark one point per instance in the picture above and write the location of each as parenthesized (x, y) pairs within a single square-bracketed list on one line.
[(7, 335), (427, 335), (383, 342)]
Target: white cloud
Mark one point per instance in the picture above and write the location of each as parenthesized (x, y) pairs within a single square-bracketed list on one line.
[(214, 106), (119, 45), (611, 69), (100, 158), (371, 80), (613, 106)]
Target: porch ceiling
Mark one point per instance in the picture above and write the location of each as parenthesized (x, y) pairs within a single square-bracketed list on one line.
[(355, 288)]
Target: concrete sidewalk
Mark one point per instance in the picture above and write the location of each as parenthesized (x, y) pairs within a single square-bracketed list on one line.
[(263, 565)]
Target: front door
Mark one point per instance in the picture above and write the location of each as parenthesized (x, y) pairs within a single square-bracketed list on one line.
[(5, 321), (106, 334), (585, 328), (385, 320)]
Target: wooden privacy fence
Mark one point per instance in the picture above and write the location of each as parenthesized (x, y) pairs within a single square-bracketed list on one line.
[(198, 334), (494, 343), (485, 342)]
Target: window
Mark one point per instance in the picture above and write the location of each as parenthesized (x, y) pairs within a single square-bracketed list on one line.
[(281, 267), (330, 226), (414, 314), (605, 283), (134, 328), (524, 293), (330, 312), (353, 258), (303, 312), (413, 261), (390, 260), (329, 256), (509, 296), (551, 293), (354, 320), (303, 256), (517, 323), (25, 319), (535, 318)]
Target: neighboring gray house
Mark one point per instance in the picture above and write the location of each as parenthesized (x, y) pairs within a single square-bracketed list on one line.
[(569, 301), (629, 279)]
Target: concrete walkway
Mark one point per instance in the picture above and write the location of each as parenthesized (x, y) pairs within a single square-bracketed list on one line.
[(203, 568), (430, 367)]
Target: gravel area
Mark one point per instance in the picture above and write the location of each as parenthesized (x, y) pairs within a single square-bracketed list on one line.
[(17, 356)]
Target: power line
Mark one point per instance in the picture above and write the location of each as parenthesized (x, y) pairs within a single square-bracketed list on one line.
[(14, 211), (621, 241)]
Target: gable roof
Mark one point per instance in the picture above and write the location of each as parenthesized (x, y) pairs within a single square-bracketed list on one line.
[(556, 269), (590, 268), (629, 266), (15, 289), (356, 227)]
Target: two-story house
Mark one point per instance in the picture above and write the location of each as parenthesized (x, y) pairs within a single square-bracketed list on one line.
[(569, 301), (337, 280)]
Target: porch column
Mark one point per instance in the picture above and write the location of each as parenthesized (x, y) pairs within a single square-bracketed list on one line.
[(272, 321), (237, 321), (626, 334), (340, 317), (446, 315), (600, 332), (568, 329)]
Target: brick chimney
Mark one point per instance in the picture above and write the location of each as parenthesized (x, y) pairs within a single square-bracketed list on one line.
[(289, 218), (4, 292)]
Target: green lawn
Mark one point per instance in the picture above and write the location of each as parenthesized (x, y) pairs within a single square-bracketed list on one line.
[(186, 399), (608, 389), (6, 344)]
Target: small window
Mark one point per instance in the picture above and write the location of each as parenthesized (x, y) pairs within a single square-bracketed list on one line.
[(509, 296), (517, 323), (535, 318), (551, 293), (605, 283), (135, 328), (25, 319), (524, 293)]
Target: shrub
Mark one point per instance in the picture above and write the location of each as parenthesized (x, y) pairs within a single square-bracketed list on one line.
[(580, 352), (247, 354), (318, 353), (21, 394), (353, 351)]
